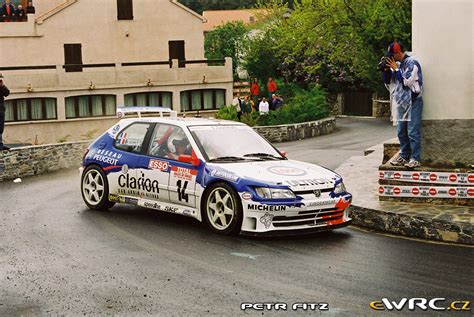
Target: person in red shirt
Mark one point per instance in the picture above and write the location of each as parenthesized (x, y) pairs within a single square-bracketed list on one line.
[(271, 87), (8, 12), (254, 90)]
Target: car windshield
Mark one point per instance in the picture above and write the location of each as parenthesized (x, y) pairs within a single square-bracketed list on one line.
[(233, 143)]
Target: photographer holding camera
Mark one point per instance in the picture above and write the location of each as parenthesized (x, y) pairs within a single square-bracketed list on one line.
[(402, 76), (4, 92)]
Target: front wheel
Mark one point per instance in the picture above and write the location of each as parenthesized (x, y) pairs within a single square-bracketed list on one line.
[(222, 209), (95, 189)]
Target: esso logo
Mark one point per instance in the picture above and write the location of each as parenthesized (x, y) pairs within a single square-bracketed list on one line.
[(287, 171), (452, 191), (470, 178), (158, 165), (433, 191), (433, 177), (415, 191), (453, 178), (381, 190), (246, 196), (470, 192), (396, 191), (396, 175), (415, 176)]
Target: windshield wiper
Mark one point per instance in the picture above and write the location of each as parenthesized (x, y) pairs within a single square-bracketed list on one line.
[(227, 158), (264, 155)]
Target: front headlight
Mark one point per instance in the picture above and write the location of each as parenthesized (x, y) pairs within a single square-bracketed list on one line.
[(274, 193), (340, 188)]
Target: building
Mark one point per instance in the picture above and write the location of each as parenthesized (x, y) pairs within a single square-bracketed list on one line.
[(70, 65), (215, 18)]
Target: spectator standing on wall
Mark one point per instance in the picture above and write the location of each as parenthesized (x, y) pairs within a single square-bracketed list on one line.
[(263, 107), (237, 103), (255, 90), (246, 108), (4, 92), (271, 87), (8, 12), (20, 14), (30, 9)]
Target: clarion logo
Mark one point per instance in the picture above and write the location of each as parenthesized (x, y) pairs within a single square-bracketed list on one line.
[(141, 183), (421, 304)]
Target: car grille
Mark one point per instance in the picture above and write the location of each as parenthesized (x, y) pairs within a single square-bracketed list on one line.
[(311, 191), (308, 217)]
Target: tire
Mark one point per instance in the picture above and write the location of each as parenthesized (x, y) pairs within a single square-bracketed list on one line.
[(95, 188), (222, 209)]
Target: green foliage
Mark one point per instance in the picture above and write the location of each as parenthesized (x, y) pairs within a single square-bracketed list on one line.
[(202, 5), (226, 41), (260, 60), (250, 119), (227, 113)]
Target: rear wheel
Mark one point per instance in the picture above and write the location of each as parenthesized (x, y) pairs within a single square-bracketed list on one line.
[(222, 209), (95, 189)]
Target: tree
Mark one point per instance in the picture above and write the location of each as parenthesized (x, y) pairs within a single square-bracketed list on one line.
[(226, 41)]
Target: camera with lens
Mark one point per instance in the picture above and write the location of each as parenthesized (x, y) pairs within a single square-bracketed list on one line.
[(384, 64)]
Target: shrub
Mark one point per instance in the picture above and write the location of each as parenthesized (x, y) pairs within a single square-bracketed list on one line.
[(227, 113)]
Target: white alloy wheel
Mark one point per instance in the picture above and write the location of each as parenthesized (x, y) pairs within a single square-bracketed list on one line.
[(93, 187), (221, 208)]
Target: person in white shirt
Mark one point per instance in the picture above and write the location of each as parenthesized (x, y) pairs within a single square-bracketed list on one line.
[(263, 107)]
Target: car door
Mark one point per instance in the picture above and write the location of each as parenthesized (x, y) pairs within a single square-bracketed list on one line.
[(129, 144)]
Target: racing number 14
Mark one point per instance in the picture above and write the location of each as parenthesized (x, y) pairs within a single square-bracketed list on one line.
[(182, 191)]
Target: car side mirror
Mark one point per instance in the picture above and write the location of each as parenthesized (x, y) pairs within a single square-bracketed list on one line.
[(194, 161)]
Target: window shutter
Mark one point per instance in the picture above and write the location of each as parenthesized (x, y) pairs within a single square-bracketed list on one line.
[(124, 9)]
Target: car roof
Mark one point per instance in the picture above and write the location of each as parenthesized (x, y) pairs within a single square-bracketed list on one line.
[(182, 122)]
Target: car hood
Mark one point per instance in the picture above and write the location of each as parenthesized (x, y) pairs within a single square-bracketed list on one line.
[(297, 175)]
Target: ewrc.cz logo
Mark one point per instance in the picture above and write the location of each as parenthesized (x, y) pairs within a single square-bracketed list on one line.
[(421, 303)]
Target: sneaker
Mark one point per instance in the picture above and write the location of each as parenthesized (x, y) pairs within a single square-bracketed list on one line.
[(413, 163), (399, 161)]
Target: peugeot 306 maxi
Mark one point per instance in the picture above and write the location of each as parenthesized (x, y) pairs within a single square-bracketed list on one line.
[(222, 173)]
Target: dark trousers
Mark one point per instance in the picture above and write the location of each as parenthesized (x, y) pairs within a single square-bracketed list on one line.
[(2, 126)]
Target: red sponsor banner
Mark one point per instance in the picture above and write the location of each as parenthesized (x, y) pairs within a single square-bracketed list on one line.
[(381, 175), (397, 175), (470, 192), (415, 176), (396, 191), (183, 172), (470, 178), (381, 190)]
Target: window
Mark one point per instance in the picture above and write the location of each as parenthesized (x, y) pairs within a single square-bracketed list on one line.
[(73, 56), (124, 10), (149, 99), (90, 106), (169, 141), (131, 138), (30, 109), (202, 99)]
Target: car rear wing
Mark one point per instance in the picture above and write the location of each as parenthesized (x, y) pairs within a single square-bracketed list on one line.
[(121, 111)]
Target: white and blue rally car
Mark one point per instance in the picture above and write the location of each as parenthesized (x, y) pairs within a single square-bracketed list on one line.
[(222, 173)]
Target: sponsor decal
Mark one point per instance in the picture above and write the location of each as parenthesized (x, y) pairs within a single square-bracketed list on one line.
[(428, 177), (124, 168), (183, 172), (159, 207), (140, 183), (188, 212), (317, 192), (286, 171), (308, 182), (266, 219), (246, 195), (266, 207), (426, 191), (113, 198), (116, 128), (421, 303), (158, 165), (225, 175), (119, 114), (106, 156), (320, 203), (132, 201)]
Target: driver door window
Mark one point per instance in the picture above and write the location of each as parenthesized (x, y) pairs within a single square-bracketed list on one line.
[(169, 142)]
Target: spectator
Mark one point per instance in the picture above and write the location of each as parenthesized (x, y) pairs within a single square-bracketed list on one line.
[(255, 90), (20, 14), (8, 12), (277, 102), (4, 92), (237, 103), (246, 108), (263, 107), (30, 9), (271, 87), (252, 104)]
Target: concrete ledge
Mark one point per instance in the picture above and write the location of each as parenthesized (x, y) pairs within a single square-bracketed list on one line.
[(297, 131), (39, 159)]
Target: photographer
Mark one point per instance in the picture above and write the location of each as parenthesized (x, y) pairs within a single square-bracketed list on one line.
[(4, 92), (403, 77)]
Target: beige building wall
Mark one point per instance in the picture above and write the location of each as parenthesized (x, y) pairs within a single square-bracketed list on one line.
[(443, 43)]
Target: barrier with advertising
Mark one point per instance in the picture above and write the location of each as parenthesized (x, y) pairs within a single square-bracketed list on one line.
[(426, 191), (428, 177)]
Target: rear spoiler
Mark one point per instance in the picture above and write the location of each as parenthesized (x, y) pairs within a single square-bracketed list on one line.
[(121, 111)]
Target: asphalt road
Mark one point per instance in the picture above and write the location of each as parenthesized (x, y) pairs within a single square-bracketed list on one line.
[(59, 258)]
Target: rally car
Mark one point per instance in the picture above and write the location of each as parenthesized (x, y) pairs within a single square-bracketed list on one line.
[(222, 173)]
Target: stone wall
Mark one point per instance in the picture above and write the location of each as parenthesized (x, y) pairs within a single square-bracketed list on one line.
[(381, 108), (297, 131), (39, 159)]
